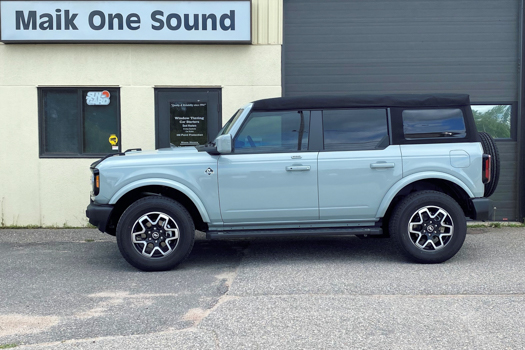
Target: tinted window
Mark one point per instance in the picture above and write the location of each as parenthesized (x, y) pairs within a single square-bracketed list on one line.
[(60, 121), (79, 122), (355, 129), (274, 132), (433, 123), (100, 122)]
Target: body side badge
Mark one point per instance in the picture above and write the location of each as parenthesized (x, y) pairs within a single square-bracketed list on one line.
[(209, 171)]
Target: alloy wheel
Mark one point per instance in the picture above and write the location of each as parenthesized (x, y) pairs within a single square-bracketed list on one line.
[(430, 228), (155, 235)]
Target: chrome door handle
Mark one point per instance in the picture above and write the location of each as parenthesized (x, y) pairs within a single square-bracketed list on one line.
[(382, 165), (298, 168)]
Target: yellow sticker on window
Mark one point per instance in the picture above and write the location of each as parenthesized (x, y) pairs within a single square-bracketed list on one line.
[(113, 139)]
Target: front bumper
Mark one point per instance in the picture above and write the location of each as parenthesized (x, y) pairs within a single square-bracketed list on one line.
[(99, 215), (483, 209)]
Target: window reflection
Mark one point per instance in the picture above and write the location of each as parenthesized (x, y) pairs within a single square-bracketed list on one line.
[(433, 123)]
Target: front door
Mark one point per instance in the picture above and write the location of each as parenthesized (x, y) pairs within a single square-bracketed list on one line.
[(271, 176), (186, 117)]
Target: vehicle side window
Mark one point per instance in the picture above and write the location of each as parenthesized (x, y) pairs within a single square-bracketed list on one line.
[(355, 129), (263, 132), (433, 123)]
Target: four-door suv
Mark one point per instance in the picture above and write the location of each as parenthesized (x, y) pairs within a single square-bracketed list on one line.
[(411, 167)]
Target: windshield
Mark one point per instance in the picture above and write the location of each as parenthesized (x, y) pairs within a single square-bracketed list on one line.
[(227, 127)]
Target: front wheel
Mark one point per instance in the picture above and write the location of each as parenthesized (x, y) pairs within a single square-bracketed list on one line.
[(428, 226), (155, 234)]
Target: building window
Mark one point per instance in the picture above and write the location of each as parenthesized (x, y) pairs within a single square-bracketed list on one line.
[(494, 119), (79, 122)]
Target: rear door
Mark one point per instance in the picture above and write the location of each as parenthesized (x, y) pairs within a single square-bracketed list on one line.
[(358, 165), (271, 176)]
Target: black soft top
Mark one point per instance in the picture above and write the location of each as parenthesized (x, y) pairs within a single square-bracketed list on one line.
[(349, 101)]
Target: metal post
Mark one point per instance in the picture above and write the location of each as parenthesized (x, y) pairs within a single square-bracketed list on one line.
[(520, 122)]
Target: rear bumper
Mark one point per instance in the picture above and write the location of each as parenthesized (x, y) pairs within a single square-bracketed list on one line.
[(483, 209), (99, 215)]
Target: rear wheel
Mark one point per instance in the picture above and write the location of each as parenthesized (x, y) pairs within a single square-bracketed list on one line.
[(155, 233), (428, 226)]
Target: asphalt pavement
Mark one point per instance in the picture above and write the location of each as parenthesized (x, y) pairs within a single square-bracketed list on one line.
[(71, 289)]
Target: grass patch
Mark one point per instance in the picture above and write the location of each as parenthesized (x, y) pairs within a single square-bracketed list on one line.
[(90, 240), (8, 346), (20, 227)]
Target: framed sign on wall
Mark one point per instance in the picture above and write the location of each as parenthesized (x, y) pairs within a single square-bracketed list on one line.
[(126, 21)]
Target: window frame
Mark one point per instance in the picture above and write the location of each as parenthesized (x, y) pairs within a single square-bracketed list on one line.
[(80, 121), (513, 118), (387, 124)]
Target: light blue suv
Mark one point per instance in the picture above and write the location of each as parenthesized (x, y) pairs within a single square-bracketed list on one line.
[(410, 167)]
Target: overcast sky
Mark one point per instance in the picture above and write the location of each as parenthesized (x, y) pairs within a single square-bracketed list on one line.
[(482, 108)]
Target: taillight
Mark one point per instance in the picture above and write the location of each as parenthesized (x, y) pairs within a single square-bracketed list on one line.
[(486, 168)]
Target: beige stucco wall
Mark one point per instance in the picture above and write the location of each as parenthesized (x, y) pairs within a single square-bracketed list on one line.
[(55, 192)]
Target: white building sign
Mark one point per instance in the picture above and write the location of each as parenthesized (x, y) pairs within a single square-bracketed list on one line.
[(125, 21)]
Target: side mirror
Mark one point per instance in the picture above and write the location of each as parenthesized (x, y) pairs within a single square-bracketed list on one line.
[(224, 144)]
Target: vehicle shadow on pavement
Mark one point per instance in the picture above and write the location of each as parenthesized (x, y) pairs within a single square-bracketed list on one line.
[(278, 250), (301, 249), (293, 249)]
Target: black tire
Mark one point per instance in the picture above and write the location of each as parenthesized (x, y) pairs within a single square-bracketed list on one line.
[(165, 217), (433, 244), (490, 147)]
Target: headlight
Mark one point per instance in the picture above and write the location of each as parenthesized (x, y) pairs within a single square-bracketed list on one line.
[(95, 182)]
